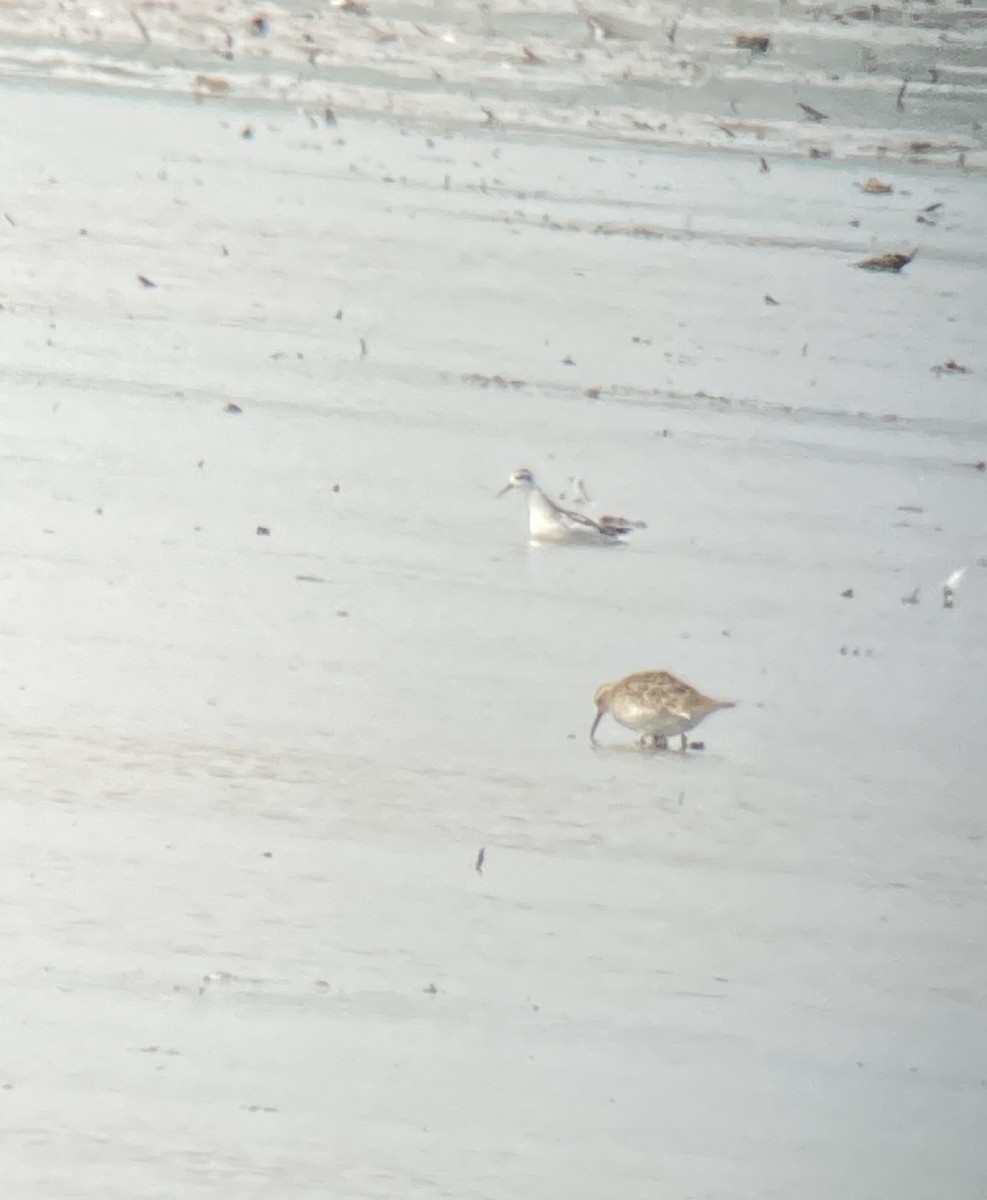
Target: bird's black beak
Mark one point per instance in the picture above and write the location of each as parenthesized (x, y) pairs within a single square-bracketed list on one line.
[(503, 491), (599, 718)]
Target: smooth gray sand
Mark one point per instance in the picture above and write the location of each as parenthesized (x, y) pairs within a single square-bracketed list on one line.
[(247, 777)]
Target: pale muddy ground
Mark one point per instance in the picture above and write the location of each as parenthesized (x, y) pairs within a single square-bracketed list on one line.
[(245, 949)]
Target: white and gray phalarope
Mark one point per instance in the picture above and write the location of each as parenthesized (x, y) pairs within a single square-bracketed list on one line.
[(550, 522)]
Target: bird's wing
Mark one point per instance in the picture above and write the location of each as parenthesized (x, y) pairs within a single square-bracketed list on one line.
[(581, 521), (619, 524), (675, 695)]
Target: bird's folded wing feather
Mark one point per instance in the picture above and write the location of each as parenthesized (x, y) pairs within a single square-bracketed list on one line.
[(619, 524), (581, 520)]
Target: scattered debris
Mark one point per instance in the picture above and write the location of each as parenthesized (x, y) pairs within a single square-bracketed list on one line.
[(201, 463), (99, 510), (145, 282), (592, 393), (812, 113), (600, 26), (568, 361), (268, 854), (856, 652), (493, 381), (213, 84), (364, 349), (889, 261), (489, 118), (9, 219), (233, 408), (335, 488), (981, 465), (950, 367), (431, 990), (820, 152), (329, 115), (259, 26), (225, 251), (911, 598), (342, 612), (697, 745), (263, 531), (899, 100), (912, 508), (848, 594), (950, 586), (217, 977), (247, 133), (481, 855), (926, 216), (141, 26), (532, 59), (875, 187), (771, 300), (918, 147), (760, 43), (259, 1108), (309, 579)]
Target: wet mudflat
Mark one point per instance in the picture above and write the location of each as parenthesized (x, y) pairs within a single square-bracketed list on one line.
[(278, 665)]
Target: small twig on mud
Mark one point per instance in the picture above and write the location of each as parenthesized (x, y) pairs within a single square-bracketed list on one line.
[(141, 26)]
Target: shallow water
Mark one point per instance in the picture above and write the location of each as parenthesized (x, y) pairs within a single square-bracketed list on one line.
[(248, 776)]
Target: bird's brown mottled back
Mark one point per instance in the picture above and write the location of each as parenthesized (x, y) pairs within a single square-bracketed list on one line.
[(655, 704)]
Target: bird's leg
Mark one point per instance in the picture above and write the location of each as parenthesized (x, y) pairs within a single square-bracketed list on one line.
[(684, 745)]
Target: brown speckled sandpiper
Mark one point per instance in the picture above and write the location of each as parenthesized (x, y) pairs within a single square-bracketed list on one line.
[(655, 705)]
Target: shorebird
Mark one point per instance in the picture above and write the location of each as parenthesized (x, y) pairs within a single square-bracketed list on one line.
[(550, 522), (656, 705)]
